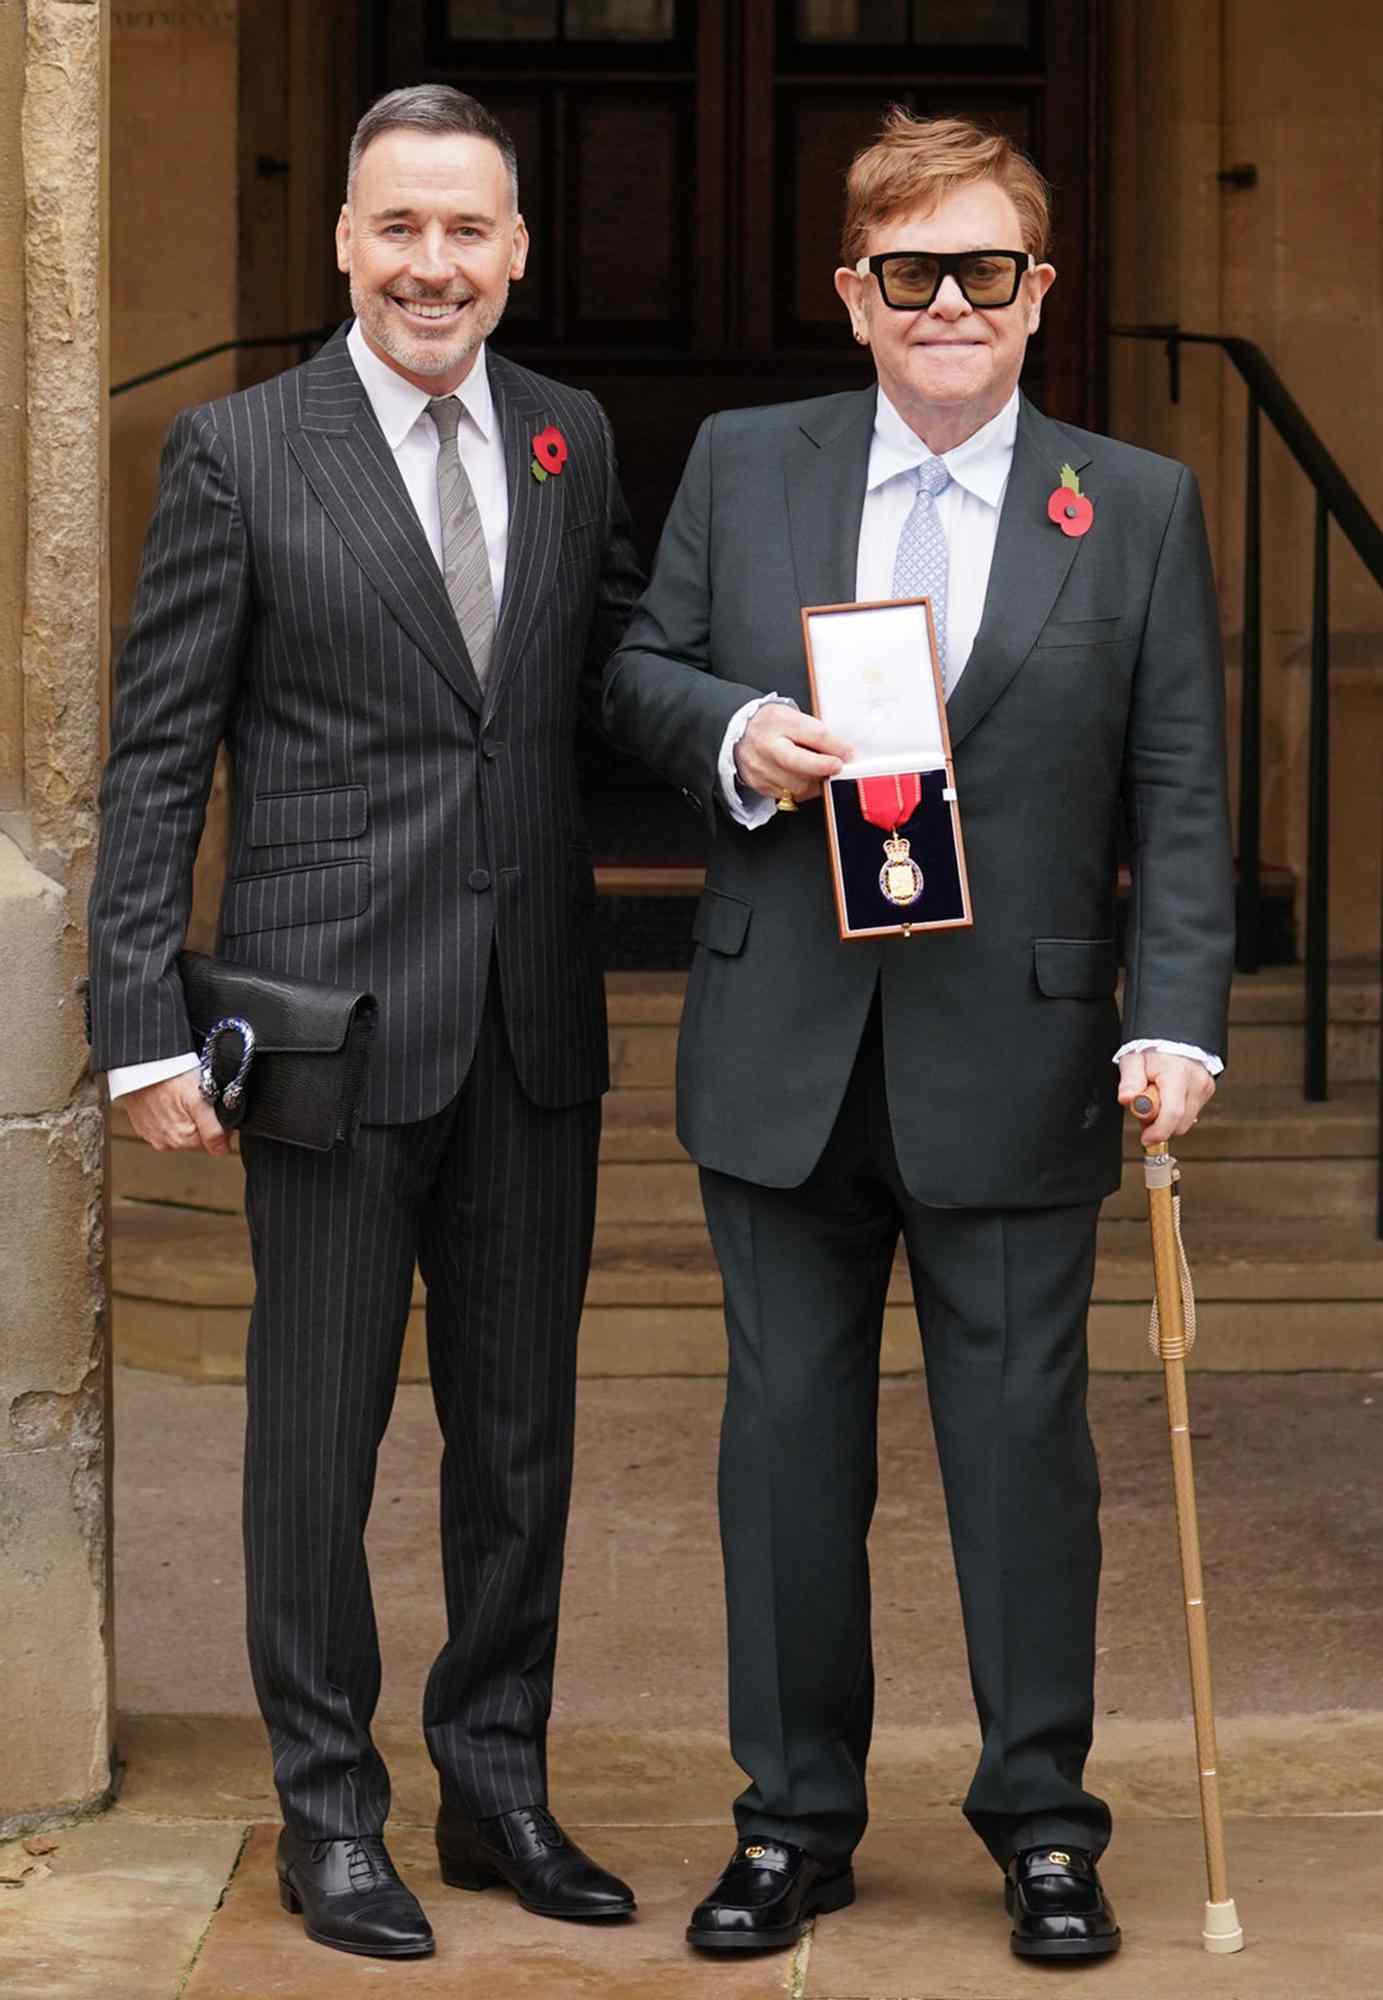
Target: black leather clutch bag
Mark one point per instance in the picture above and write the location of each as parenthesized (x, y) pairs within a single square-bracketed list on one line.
[(281, 1058)]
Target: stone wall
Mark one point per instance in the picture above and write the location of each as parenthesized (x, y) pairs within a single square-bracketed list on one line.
[(1294, 263), (12, 449), (55, 1665)]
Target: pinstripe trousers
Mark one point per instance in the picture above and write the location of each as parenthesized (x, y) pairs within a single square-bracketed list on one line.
[(494, 1199)]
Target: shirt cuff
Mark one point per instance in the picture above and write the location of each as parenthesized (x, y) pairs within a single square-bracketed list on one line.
[(1213, 1063), (138, 1076), (746, 808)]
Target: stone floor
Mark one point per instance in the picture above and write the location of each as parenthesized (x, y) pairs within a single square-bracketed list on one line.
[(172, 1893)]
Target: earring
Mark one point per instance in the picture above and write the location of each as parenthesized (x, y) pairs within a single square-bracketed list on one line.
[(860, 337)]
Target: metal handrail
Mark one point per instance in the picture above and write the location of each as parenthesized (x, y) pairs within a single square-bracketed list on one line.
[(306, 342), (1336, 499), (1293, 426)]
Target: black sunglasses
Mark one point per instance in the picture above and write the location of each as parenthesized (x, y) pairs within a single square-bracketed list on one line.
[(910, 279)]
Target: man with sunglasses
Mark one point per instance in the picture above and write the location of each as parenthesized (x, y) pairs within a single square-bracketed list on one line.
[(960, 1088)]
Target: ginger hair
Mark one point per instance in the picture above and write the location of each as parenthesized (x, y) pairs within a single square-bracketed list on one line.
[(916, 162)]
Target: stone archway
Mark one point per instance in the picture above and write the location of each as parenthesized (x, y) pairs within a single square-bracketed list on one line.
[(55, 1653)]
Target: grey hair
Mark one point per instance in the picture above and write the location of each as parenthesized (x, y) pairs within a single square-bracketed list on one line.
[(435, 108)]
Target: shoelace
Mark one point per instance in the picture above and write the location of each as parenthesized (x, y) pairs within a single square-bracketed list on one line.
[(367, 1862), (543, 1826)]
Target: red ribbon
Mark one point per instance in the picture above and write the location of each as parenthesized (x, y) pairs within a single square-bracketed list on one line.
[(889, 802)]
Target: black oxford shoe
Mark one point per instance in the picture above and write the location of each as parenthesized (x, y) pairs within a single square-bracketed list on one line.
[(527, 1849), (349, 1896), (765, 1896), (1058, 1908)]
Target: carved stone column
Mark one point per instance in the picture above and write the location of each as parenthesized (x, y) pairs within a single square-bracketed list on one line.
[(55, 1616)]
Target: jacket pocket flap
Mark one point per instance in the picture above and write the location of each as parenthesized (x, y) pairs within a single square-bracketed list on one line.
[(1075, 968), (295, 896), (1079, 631), (721, 922), (291, 819)]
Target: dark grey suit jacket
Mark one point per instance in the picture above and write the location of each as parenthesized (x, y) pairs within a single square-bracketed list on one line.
[(1094, 692), (390, 822)]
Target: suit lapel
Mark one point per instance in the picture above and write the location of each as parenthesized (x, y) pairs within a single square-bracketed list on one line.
[(347, 461), (1032, 559), (536, 510), (826, 468)]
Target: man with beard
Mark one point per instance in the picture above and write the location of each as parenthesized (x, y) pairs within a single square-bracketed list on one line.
[(387, 581)]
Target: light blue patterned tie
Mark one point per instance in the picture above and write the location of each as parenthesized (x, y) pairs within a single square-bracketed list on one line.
[(919, 570)]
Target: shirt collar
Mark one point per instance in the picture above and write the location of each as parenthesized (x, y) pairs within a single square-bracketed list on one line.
[(398, 404), (981, 464)]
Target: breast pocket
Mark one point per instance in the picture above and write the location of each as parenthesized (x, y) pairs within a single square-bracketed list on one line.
[(1080, 632), (579, 553)]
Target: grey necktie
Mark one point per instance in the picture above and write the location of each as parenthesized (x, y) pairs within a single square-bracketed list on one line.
[(465, 558), (919, 569)]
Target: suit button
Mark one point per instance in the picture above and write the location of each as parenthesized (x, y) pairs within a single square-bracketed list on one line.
[(490, 748), (479, 878)]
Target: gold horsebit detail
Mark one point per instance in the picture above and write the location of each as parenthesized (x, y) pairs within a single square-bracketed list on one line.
[(754, 1853), (1058, 1859)]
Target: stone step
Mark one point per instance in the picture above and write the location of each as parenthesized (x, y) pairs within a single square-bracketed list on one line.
[(1247, 1152), (1267, 1012), (637, 1125), (1275, 1295), (1259, 1114), (1274, 997)]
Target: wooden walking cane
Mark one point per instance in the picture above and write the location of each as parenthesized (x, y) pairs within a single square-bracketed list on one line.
[(1171, 1334)]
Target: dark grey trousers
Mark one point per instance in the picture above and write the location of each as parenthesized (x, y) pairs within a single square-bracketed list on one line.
[(1002, 1298), (495, 1200)]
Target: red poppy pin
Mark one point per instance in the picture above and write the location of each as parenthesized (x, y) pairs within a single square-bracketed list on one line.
[(549, 453), (1068, 506)]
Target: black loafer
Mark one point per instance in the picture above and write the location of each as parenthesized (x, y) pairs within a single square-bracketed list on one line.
[(1058, 1908), (349, 1896), (765, 1896), (527, 1849)]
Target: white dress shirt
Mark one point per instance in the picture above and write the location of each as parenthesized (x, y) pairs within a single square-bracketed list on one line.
[(968, 506), (412, 437)]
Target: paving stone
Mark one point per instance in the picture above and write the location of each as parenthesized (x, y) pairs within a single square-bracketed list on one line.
[(487, 1945), (929, 1921), (121, 1914)]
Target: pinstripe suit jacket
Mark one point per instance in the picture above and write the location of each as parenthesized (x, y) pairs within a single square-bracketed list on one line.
[(391, 823)]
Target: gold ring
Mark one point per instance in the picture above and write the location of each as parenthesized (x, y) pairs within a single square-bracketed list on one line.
[(786, 803)]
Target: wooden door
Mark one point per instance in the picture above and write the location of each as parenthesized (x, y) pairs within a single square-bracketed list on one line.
[(682, 166)]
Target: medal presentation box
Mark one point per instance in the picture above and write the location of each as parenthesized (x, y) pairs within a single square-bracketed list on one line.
[(892, 816)]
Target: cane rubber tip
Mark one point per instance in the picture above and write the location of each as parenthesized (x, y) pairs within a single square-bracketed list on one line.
[(1222, 1931)]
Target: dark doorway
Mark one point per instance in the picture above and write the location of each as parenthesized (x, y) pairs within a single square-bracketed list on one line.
[(682, 163)]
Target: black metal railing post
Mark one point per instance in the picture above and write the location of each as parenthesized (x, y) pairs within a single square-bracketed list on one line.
[(1251, 712), (1380, 1217), (1318, 822)]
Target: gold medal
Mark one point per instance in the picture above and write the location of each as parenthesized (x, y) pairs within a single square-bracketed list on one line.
[(900, 878)]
